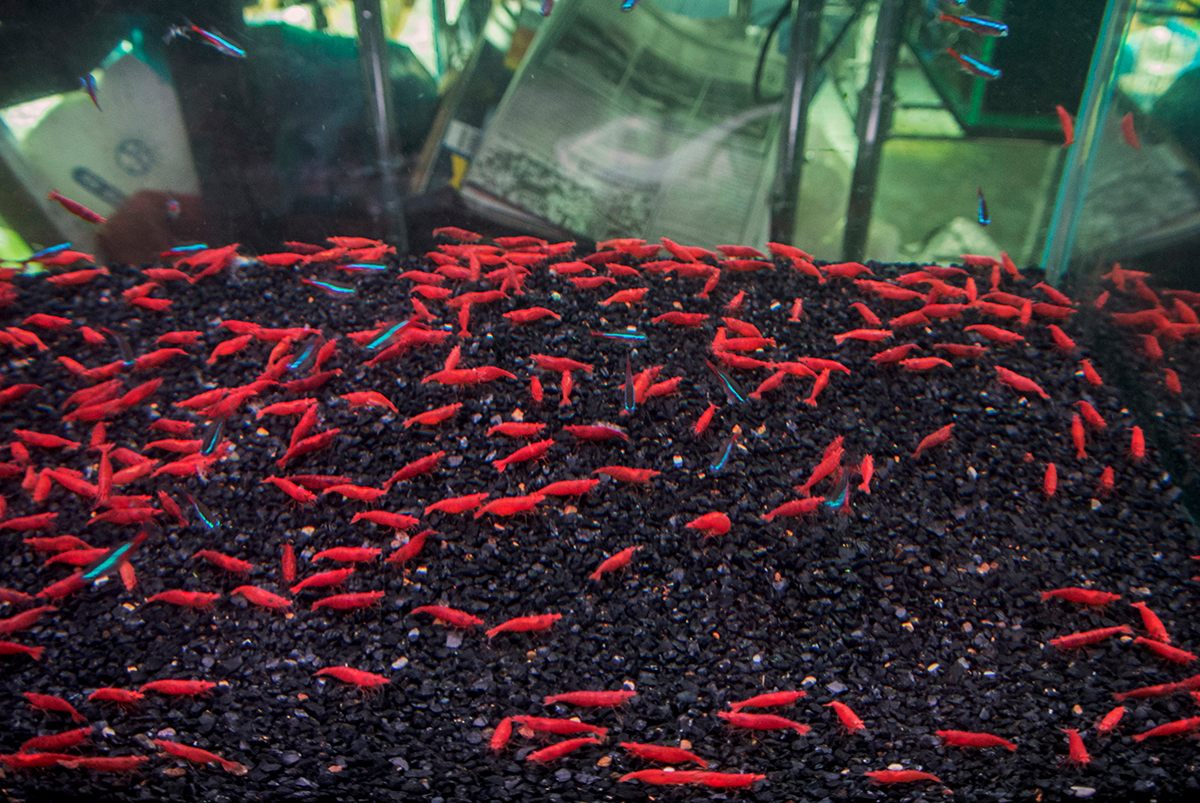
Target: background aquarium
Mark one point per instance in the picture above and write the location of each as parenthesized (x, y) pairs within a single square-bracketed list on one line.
[(558, 399)]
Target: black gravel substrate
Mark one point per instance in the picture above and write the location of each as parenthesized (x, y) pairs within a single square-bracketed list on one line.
[(920, 608)]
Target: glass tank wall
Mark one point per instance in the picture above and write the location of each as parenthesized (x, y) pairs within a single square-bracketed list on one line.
[(670, 121)]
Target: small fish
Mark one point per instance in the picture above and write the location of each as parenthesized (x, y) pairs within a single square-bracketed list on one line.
[(332, 288), (983, 26), (46, 252), (305, 357), (213, 40), (547, 7), (627, 5), (630, 394), (183, 250), (207, 518), (731, 390), (88, 82), (721, 458), (634, 337), (113, 559), (839, 501), (212, 436), (386, 335), (983, 216), (974, 66), (126, 351), (77, 209)]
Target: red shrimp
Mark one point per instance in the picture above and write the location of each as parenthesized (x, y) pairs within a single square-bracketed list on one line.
[(52, 703), (262, 598), (662, 753), (1137, 444), (974, 739), (451, 616), (560, 749), (37, 521), (55, 742), (502, 735), (516, 429), (107, 694), (13, 648), (358, 493), (105, 763), (626, 474), (1077, 753), (559, 727), (596, 432), (525, 624), (369, 398), (179, 688), (591, 699), (1176, 728), (197, 755), (422, 465), (349, 602), (712, 780), (457, 504), (397, 521), (510, 505), (846, 716), (569, 487), (185, 599), (410, 549), (1166, 651), (434, 417), (616, 561), (531, 314), (712, 524), (901, 776), (796, 507), (332, 577), (348, 554), (1050, 480), (934, 439), (768, 700), (296, 492), (353, 677), (1081, 596), (738, 719), (1110, 721), (23, 620), (1087, 638), (287, 563), (532, 451), (1152, 623)]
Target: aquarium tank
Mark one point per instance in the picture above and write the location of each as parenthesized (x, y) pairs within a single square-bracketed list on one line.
[(469, 400)]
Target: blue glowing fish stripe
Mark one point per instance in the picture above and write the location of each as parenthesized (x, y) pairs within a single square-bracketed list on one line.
[(219, 43), (213, 437), (975, 66), (108, 561), (627, 5), (982, 26), (206, 516), (387, 335), (47, 252), (984, 217), (632, 336), (365, 266), (840, 499), (303, 356), (724, 454), (331, 287), (731, 390), (188, 249)]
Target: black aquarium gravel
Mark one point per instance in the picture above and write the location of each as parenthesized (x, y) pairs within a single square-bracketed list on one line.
[(917, 604)]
